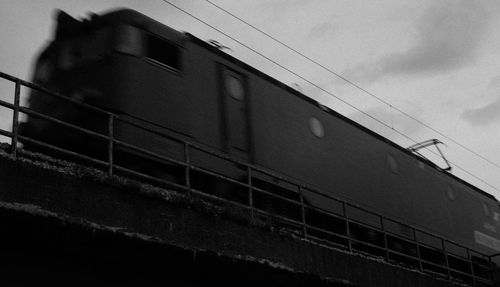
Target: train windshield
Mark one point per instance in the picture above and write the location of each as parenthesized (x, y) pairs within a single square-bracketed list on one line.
[(83, 49)]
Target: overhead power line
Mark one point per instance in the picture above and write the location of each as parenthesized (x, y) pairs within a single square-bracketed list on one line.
[(350, 82), (287, 69), (320, 88)]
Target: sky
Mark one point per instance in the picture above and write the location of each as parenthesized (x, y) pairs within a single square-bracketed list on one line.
[(409, 70)]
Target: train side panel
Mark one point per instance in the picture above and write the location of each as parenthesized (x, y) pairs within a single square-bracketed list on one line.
[(352, 164)]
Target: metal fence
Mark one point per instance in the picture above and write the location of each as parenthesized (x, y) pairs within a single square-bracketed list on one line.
[(339, 228)]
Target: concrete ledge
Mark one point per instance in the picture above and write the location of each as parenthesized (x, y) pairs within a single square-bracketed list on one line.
[(106, 228)]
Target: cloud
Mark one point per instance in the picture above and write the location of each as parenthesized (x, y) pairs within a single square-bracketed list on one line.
[(319, 30), (392, 120), (448, 35), (489, 113), (484, 115)]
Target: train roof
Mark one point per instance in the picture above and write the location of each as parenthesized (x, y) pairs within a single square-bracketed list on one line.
[(132, 17), (68, 24)]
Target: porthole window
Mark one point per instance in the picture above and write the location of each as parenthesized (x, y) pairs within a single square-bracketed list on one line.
[(486, 209), (235, 88), (450, 193), (496, 216), (316, 127), (393, 165)]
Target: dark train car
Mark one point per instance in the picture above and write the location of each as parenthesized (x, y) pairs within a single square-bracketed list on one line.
[(127, 63)]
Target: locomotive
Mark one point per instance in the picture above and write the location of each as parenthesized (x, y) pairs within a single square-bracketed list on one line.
[(124, 62)]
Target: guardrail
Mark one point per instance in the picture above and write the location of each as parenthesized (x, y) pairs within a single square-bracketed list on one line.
[(280, 198)]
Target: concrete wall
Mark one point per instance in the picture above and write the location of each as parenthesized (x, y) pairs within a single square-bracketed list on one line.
[(59, 208)]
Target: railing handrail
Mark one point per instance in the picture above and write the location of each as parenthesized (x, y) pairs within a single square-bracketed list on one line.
[(250, 168)]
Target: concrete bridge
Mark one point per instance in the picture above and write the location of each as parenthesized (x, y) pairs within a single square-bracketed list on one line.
[(64, 224)]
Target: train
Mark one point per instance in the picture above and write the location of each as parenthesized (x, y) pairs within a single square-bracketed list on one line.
[(179, 85)]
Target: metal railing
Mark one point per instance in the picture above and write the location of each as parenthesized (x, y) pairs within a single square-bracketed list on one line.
[(265, 194)]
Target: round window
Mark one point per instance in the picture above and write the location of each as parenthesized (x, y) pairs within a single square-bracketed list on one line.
[(393, 165), (450, 193), (486, 209), (316, 127), (235, 88)]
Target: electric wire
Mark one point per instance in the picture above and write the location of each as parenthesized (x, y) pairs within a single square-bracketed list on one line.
[(290, 71), (316, 86), (350, 82)]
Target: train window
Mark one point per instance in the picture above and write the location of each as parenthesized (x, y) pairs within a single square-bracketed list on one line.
[(162, 51), (393, 165), (234, 87), (83, 49), (316, 127)]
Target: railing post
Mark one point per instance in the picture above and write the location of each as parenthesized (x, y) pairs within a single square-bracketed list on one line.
[(386, 243), (492, 268), (347, 230), (110, 143), (15, 118), (469, 257), (303, 212), (420, 265), (250, 192), (447, 263), (187, 171)]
